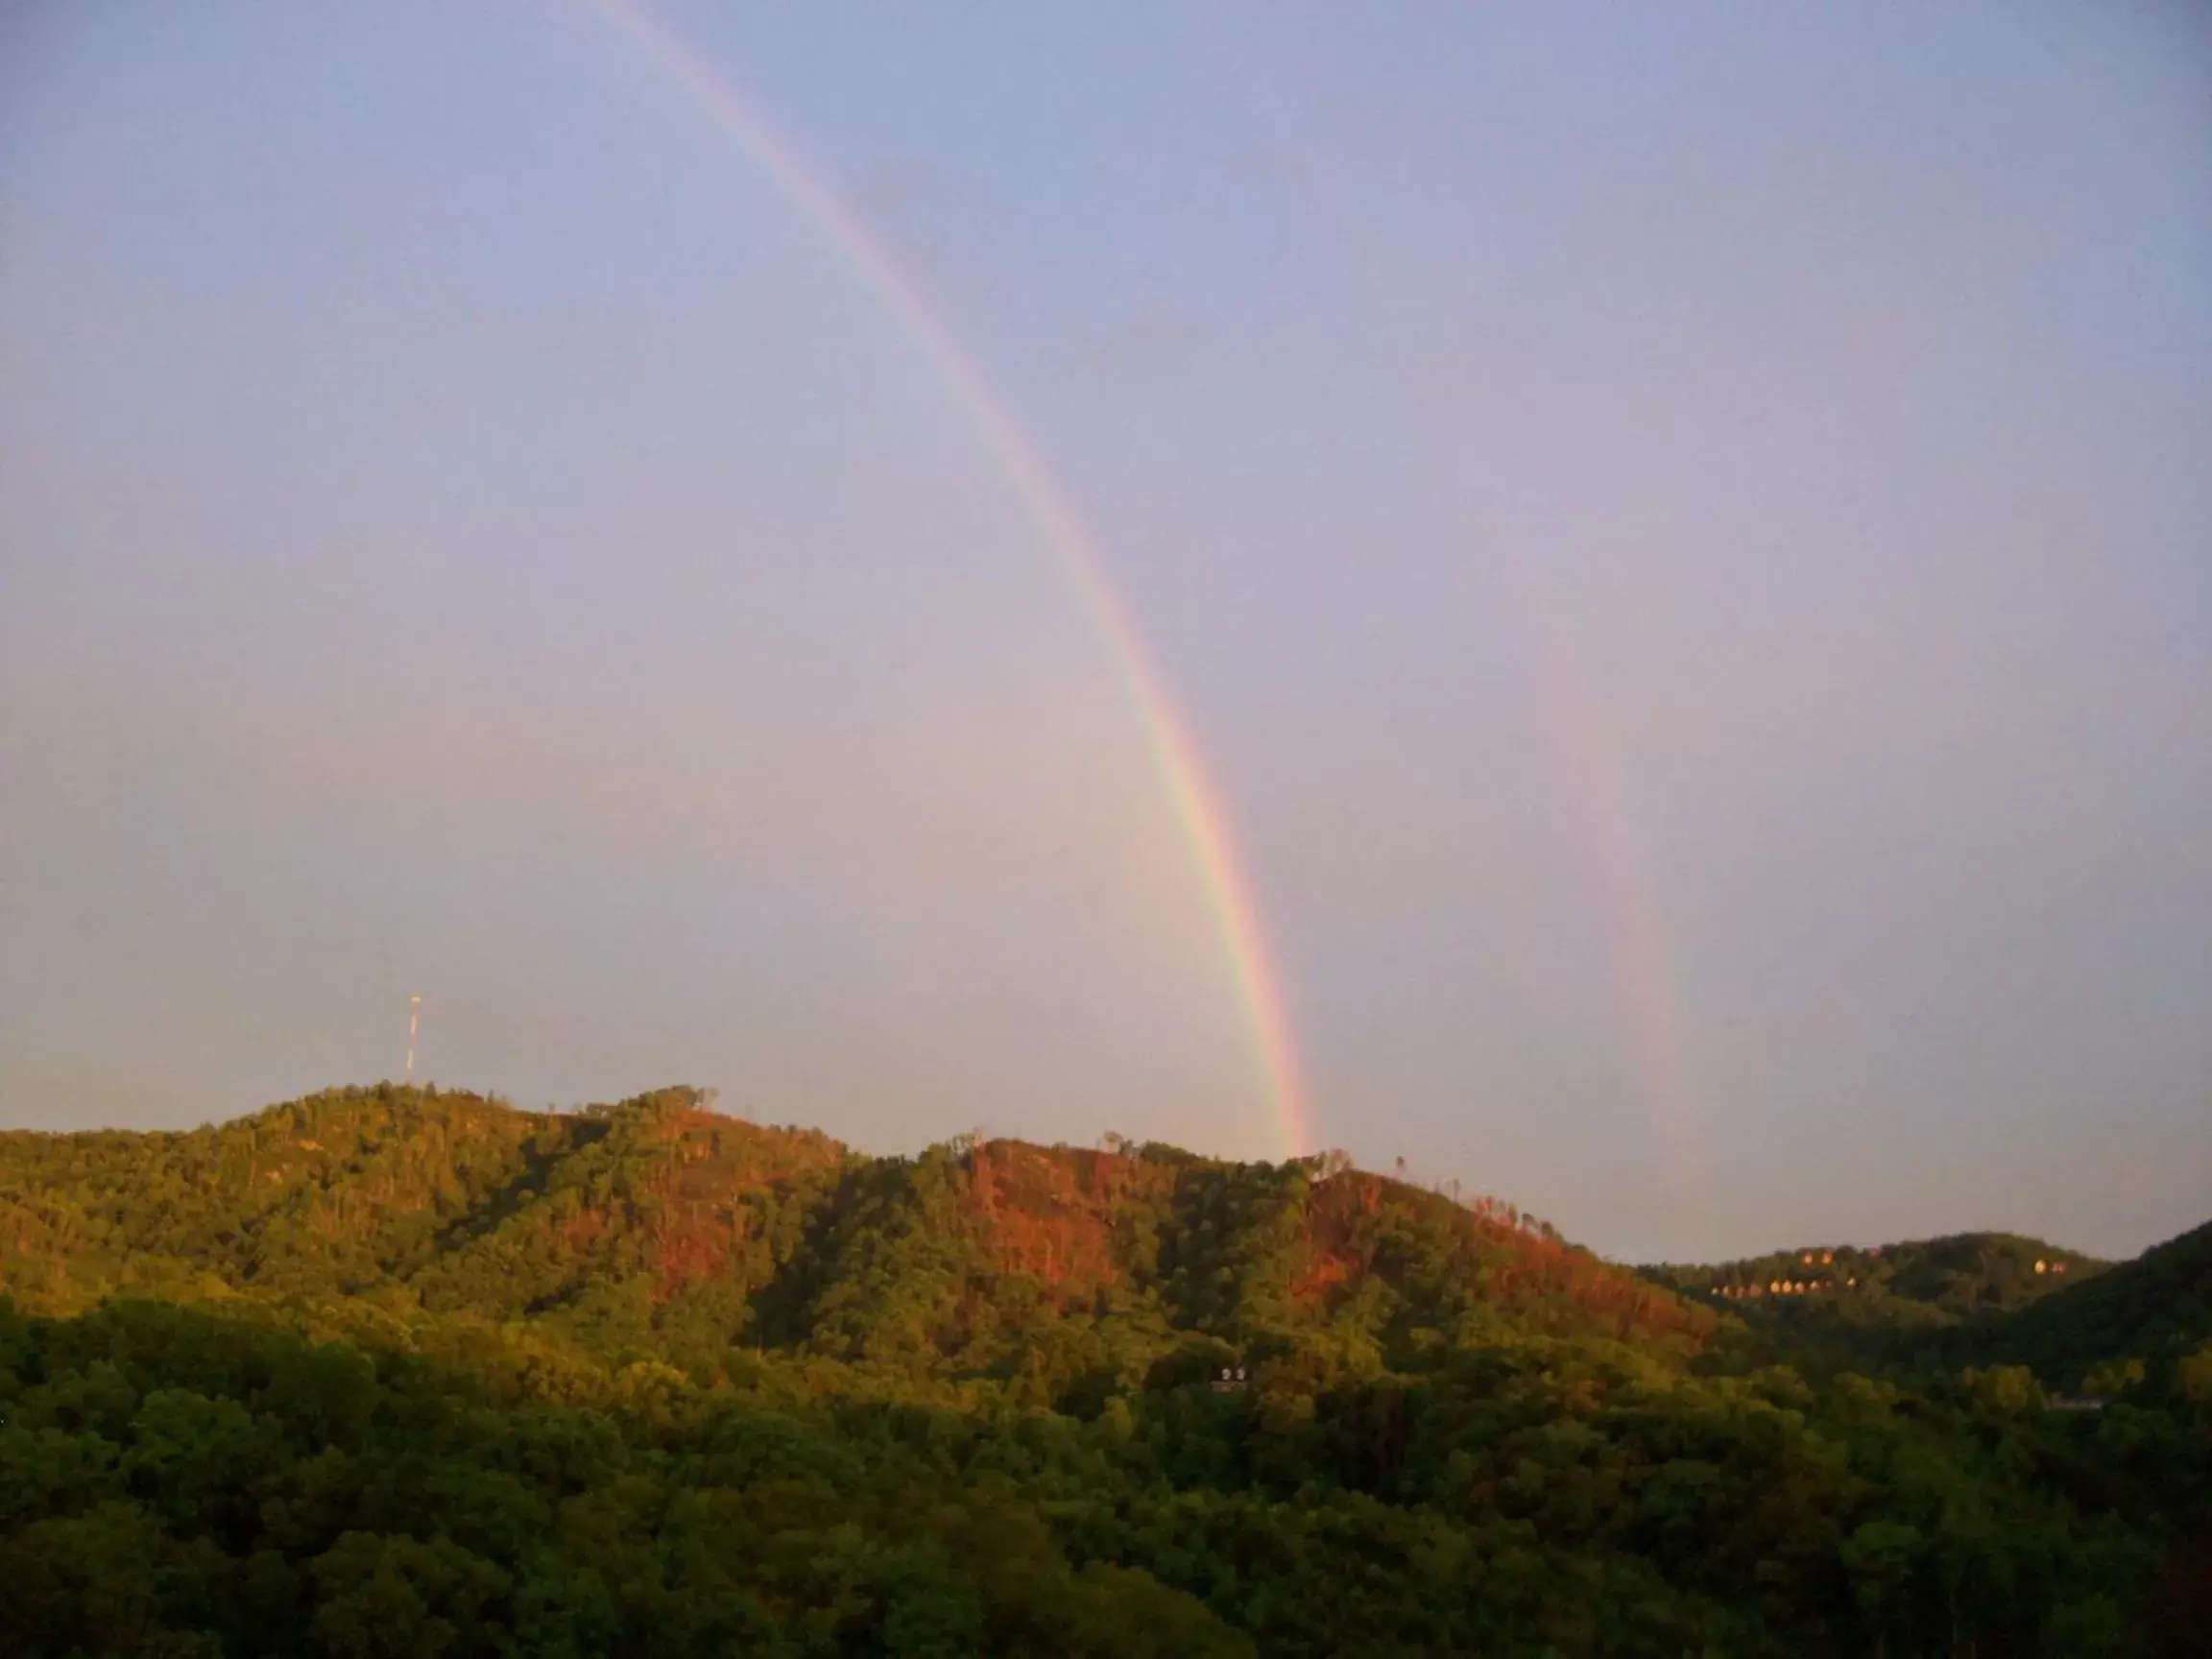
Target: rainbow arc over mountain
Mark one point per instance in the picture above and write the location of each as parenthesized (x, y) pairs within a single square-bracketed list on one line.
[(1191, 791)]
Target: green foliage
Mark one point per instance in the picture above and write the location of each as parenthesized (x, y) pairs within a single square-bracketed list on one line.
[(1844, 1297), (463, 1379), (2157, 1308), (657, 1229)]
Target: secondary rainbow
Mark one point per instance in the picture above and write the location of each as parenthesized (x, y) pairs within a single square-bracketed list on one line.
[(1174, 751), (1585, 734)]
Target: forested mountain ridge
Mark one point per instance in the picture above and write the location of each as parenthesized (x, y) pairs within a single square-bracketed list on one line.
[(1935, 1281), (656, 1226), (1977, 1298), (1886, 1304), (2136, 1323), (405, 1370)]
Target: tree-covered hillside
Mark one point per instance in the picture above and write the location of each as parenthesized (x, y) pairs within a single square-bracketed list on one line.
[(1920, 1282), (2148, 1321), (659, 1227), (390, 1371), (1880, 1304)]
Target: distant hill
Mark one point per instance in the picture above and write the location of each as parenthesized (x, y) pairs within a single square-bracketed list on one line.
[(1920, 1284), (1937, 1304), (2155, 1309), (660, 1227)]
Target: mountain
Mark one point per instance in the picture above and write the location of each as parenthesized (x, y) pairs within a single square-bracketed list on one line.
[(660, 1227), (2155, 1311), (1880, 1304), (394, 1371)]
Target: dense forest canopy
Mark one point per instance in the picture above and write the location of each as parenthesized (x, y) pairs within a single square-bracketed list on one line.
[(408, 1371)]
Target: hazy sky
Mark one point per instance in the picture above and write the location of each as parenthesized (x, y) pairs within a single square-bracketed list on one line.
[(1685, 538)]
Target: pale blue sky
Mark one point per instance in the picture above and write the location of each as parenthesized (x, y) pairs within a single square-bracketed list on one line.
[(1685, 535)]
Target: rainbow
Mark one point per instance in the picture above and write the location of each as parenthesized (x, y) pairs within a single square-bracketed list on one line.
[(1587, 739), (1191, 792)]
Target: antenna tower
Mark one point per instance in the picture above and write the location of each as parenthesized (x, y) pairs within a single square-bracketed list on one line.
[(414, 1024)]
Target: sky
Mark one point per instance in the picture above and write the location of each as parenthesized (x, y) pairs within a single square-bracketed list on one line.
[(1679, 540)]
